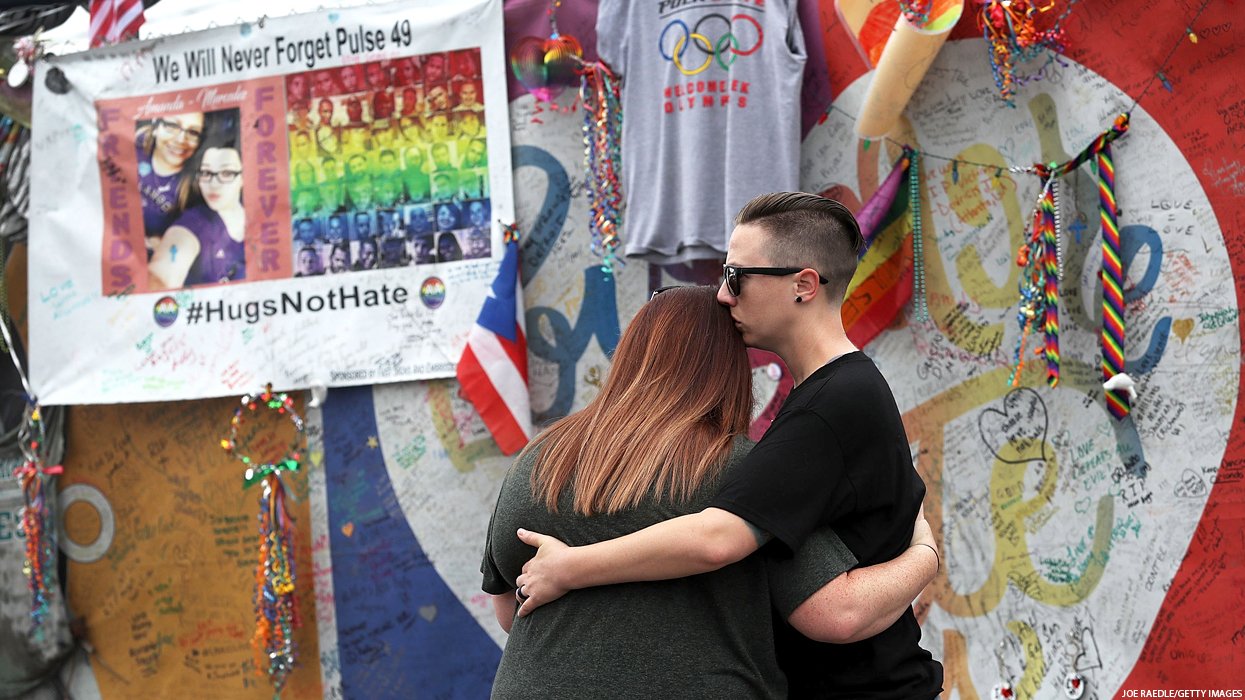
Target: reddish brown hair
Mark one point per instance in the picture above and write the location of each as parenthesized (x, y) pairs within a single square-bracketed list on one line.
[(678, 392)]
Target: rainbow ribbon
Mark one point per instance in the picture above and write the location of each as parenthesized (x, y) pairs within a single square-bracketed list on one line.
[(1045, 221), (1039, 285), (1118, 129), (1112, 284)]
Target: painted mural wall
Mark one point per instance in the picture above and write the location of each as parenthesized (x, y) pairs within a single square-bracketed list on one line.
[(1071, 540)]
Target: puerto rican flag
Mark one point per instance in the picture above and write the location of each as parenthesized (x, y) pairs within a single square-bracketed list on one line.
[(493, 368)]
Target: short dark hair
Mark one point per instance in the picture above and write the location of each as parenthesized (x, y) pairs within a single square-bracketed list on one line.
[(807, 230)]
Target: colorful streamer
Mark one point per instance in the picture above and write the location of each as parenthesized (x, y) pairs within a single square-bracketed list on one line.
[(276, 606), (599, 91), (1018, 31)]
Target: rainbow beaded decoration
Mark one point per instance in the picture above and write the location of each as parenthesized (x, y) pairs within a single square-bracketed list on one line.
[(39, 564), (276, 607), (599, 91), (1039, 286)]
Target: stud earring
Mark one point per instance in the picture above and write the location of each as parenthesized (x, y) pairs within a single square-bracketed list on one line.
[(799, 299)]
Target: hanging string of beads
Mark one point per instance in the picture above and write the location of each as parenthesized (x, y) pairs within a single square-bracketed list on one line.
[(1054, 194), (599, 92), (552, 12), (34, 478), (920, 300), (276, 605), (1039, 286)]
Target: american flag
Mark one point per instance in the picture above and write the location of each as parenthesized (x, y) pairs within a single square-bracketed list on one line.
[(115, 20), (493, 368)]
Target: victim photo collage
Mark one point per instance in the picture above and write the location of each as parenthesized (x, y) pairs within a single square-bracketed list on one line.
[(388, 164)]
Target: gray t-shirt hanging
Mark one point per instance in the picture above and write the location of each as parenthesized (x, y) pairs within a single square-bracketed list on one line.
[(711, 115)]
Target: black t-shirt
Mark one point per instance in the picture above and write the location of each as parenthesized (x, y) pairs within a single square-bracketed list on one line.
[(837, 455)]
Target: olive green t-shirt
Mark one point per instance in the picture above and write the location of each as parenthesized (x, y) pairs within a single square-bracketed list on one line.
[(705, 636)]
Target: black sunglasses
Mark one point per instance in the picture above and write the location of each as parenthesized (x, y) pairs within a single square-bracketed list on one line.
[(666, 288), (733, 275)]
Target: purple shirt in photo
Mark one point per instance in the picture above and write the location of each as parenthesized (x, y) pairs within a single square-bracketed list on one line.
[(159, 196), (221, 258)]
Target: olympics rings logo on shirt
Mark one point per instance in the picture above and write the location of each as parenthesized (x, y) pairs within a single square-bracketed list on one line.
[(729, 44)]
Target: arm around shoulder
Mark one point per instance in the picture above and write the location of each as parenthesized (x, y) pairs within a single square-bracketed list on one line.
[(866, 601), (684, 546)]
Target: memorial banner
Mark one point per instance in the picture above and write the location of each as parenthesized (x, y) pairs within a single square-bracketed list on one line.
[(313, 199)]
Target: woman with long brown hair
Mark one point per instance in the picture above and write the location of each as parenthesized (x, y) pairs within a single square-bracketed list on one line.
[(163, 147), (670, 420)]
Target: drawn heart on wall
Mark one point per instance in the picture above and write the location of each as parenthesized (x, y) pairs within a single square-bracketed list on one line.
[(1182, 327), (1021, 424), (1190, 485)]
